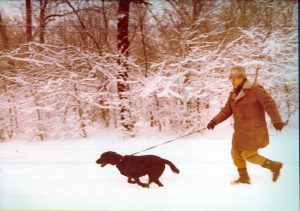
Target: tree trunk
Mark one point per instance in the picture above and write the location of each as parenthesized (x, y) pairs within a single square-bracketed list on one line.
[(28, 21), (3, 34), (106, 28), (43, 5), (13, 121), (123, 47), (197, 6), (84, 133), (141, 18), (41, 133), (123, 41)]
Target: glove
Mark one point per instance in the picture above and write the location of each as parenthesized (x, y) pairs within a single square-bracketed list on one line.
[(211, 125), (279, 125)]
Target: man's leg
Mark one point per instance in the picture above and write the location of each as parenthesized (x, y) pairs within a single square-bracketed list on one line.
[(253, 157), (240, 163)]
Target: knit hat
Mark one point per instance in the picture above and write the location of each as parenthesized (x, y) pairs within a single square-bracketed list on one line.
[(237, 72)]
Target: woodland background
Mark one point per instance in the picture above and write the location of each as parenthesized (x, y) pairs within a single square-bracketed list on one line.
[(74, 68)]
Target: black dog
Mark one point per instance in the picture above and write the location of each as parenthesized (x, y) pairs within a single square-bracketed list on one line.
[(134, 167)]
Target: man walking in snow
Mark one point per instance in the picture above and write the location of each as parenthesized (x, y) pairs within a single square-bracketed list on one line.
[(248, 102)]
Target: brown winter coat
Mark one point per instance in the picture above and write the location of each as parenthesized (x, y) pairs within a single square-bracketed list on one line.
[(248, 109)]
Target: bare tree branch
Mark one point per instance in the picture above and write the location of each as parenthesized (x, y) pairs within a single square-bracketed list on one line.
[(83, 26)]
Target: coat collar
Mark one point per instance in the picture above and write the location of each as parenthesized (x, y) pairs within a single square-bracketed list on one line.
[(242, 93)]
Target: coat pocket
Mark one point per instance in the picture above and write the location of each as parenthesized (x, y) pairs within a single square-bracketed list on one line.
[(262, 136)]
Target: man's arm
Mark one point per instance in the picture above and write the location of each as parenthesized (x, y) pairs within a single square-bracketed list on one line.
[(224, 114), (268, 104)]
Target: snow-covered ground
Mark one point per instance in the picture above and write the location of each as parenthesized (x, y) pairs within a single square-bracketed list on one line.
[(63, 175)]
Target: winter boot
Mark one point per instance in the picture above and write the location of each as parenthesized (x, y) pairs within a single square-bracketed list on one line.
[(244, 177), (274, 167)]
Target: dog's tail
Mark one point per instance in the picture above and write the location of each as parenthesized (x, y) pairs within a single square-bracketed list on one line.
[(172, 166)]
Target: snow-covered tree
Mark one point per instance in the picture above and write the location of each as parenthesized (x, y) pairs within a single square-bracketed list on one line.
[(176, 77)]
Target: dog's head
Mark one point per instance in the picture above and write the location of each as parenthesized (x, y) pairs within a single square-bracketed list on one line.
[(109, 158)]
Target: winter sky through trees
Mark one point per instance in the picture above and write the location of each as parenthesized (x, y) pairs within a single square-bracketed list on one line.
[(62, 73)]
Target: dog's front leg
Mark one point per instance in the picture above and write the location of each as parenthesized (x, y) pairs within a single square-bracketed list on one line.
[(131, 180), (144, 185)]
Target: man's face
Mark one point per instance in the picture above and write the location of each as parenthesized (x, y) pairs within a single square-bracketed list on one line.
[(236, 81)]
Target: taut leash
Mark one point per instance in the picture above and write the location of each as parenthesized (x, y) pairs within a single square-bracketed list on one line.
[(169, 141)]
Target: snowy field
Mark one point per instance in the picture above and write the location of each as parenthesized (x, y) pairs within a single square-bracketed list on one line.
[(63, 175)]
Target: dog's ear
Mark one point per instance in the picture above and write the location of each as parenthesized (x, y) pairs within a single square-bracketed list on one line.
[(107, 153), (114, 158)]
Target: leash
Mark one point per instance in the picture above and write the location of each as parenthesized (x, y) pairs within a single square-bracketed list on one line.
[(169, 141)]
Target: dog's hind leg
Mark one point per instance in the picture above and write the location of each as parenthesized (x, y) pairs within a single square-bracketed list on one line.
[(155, 172), (144, 185), (156, 181)]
